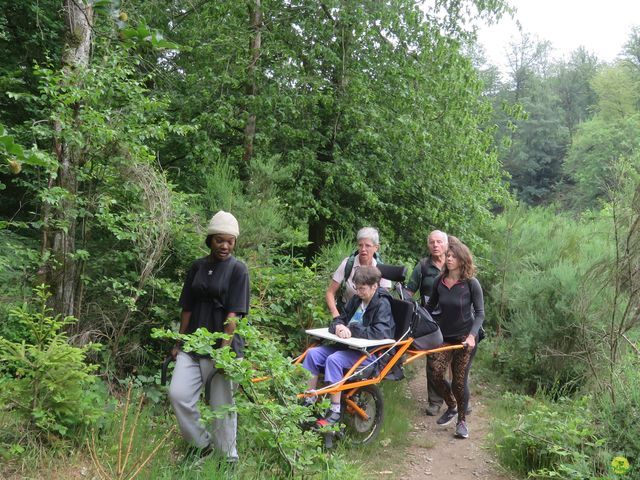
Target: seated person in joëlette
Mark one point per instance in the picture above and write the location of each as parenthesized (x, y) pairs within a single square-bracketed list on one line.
[(367, 315)]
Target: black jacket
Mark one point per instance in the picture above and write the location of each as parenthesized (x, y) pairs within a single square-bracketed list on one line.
[(377, 321)]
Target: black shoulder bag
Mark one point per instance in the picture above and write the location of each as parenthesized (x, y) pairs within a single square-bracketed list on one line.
[(422, 323)]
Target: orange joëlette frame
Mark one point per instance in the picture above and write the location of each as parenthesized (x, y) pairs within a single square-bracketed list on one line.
[(352, 387), (402, 348)]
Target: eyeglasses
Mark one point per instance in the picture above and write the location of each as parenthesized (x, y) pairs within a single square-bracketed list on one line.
[(364, 288)]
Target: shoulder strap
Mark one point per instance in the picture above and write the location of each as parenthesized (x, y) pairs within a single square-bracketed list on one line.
[(423, 267), (349, 266), (469, 286)]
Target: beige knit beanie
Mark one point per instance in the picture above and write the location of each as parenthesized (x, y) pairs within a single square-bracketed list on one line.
[(224, 223)]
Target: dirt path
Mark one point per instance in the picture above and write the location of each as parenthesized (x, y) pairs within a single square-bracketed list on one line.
[(435, 453)]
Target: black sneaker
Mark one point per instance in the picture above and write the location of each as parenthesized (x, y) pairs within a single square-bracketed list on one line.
[(447, 417), (461, 430)]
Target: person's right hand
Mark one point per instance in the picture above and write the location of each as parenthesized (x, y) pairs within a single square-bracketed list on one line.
[(343, 332)]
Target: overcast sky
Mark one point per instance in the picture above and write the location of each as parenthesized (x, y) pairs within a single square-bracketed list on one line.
[(602, 26)]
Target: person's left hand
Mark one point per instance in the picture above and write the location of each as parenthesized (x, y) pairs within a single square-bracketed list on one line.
[(470, 341)]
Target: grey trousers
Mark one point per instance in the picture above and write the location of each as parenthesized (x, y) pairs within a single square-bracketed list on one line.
[(189, 376), (427, 342)]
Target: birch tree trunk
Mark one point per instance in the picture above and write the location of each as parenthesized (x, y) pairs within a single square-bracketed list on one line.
[(59, 231)]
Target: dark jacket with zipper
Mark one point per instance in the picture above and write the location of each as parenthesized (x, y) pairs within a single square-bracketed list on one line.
[(377, 320), (462, 308)]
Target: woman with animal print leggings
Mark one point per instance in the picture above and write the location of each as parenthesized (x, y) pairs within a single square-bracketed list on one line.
[(459, 296)]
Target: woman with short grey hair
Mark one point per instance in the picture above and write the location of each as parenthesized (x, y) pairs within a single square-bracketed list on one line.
[(342, 279), (368, 233)]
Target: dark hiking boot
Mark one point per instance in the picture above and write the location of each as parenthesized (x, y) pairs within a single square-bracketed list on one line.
[(433, 409)]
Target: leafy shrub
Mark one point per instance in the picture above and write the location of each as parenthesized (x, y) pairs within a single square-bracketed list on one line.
[(138, 216), (46, 380), (288, 298), (19, 258), (540, 287), (620, 411), (272, 415), (332, 254), (549, 439)]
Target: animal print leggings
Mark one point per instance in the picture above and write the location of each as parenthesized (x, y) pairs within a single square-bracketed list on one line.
[(455, 393)]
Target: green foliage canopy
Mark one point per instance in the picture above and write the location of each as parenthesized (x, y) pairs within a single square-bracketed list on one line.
[(373, 113)]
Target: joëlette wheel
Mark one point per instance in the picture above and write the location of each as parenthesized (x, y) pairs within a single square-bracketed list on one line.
[(358, 429)]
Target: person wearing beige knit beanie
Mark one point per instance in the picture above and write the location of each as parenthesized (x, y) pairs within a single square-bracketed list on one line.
[(223, 223), (215, 293)]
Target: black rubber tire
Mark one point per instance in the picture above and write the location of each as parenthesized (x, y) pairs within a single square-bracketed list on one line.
[(359, 431)]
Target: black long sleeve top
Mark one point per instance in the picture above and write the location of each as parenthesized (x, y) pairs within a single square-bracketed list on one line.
[(462, 307)]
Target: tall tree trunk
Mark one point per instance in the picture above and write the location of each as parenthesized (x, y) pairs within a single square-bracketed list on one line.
[(255, 16), (60, 220), (317, 227), (316, 235)]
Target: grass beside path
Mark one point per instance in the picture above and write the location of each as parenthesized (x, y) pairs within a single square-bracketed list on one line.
[(384, 457), (381, 456)]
